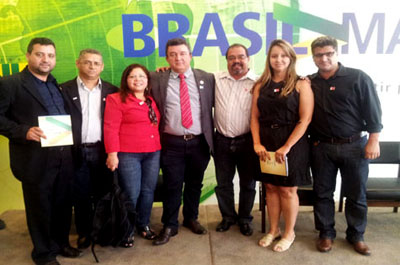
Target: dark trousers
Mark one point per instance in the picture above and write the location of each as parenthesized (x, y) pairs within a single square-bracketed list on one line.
[(232, 153), (91, 182), (48, 205), (182, 162), (349, 159)]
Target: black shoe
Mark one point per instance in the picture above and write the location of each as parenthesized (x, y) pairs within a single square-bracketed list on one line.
[(70, 252), (83, 242), (246, 229), (52, 262), (2, 224), (164, 236), (224, 225), (147, 233), (195, 226)]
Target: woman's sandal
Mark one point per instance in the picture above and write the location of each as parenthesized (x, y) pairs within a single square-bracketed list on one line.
[(283, 244), (128, 243), (267, 240), (147, 233)]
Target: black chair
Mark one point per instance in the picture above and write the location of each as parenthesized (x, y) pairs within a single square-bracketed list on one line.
[(383, 191), (306, 198)]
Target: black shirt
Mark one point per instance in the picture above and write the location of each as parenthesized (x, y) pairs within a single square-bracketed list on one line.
[(345, 104)]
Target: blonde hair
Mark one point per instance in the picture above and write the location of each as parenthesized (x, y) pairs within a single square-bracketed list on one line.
[(291, 75)]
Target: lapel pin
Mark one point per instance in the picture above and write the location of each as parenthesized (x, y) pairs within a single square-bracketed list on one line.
[(276, 90), (332, 88), (74, 98), (201, 82)]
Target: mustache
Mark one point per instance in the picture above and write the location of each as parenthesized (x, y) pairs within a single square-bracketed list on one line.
[(240, 64)]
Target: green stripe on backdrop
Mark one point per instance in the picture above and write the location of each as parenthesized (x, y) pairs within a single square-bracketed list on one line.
[(5, 68), (14, 68)]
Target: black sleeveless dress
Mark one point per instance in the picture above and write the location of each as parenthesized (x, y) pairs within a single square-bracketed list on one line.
[(278, 118)]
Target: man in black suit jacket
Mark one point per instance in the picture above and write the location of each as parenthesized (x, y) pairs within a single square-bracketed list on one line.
[(86, 96), (45, 172), (185, 147)]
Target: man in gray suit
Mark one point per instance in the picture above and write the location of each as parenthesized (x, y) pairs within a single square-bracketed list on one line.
[(186, 136)]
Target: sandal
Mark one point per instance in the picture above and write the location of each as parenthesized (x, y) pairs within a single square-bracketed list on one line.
[(127, 243), (147, 233), (283, 244), (267, 240)]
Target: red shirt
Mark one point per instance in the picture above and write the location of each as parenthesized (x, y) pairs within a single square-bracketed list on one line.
[(127, 127)]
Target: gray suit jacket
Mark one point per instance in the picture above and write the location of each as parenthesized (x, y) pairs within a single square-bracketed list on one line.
[(159, 84)]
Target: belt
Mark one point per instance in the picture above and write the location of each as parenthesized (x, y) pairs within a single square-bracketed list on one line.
[(89, 145), (240, 137), (185, 137), (335, 140)]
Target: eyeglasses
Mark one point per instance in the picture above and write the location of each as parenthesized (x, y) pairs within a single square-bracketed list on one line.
[(152, 113), (240, 57), (327, 54), (142, 77), (95, 63)]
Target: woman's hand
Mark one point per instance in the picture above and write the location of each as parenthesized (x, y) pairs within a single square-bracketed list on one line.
[(280, 154), (261, 152), (112, 161)]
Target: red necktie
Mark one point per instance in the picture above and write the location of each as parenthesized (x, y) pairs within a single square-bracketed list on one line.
[(186, 112)]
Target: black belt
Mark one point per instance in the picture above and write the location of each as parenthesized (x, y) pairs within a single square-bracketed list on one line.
[(240, 137), (89, 145), (335, 140), (185, 137)]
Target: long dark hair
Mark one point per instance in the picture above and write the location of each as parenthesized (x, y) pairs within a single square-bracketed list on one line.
[(124, 90)]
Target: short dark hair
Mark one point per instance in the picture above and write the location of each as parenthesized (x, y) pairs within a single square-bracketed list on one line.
[(91, 51), (124, 90), (176, 42), (234, 46), (324, 41), (41, 41)]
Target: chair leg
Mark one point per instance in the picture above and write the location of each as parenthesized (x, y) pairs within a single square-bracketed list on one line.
[(341, 199), (395, 209), (262, 204)]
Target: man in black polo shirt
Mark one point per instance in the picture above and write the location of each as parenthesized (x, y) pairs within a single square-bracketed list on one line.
[(346, 104)]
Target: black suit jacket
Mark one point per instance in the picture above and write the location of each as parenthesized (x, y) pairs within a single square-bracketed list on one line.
[(205, 84), (20, 106), (71, 93)]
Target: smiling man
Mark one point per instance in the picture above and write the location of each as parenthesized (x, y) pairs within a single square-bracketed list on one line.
[(45, 172), (86, 99), (346, 105), (184, 97), (233, 142)]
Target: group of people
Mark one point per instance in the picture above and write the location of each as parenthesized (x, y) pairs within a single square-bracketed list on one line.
[(174, 120)]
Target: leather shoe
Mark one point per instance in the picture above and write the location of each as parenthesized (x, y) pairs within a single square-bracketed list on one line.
[(164, 236), (195, 226), (361, 248), (246, 229), (52, 262), (224, 225), (324, 244), (70, 252), (2, 224), (83, 242)]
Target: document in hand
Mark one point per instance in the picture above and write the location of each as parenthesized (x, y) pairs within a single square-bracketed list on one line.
[(273, 167), (57, 129)]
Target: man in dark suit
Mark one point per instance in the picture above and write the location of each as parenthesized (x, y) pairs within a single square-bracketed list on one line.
[(186, 136), (86, 96), (45, 172)]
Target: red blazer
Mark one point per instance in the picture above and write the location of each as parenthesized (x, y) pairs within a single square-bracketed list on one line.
[(127, 127)]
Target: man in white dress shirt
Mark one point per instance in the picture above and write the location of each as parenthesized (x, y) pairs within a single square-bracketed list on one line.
[(233, 141)]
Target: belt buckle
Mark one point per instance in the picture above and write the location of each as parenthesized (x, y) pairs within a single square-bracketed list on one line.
[(274, 126), (188, 137)]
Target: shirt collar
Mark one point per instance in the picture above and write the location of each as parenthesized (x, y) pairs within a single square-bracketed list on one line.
[(81, 84), (249, 75), (340, 72), (187, 74)]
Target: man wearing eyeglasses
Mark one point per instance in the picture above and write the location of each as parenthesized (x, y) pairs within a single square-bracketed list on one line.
[(346, 105), (86, 98), (184, 97), (233, 142)]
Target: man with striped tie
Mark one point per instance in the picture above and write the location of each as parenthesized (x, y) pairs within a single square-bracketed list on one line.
[(185, 98)]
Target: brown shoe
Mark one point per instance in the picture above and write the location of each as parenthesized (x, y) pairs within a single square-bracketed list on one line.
[(324, 244), (195, 226), (362, 248)]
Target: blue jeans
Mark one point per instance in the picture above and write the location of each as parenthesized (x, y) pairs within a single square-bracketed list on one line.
[(138, 174), (349, 159)]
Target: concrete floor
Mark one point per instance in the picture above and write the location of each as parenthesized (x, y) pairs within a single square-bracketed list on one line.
[(231, 247)]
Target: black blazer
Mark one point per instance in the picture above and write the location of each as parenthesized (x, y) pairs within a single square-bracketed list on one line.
[(159, 84), (20, 106), (70, 91)]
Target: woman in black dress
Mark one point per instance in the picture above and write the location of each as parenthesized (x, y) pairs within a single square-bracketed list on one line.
[(281, 111)]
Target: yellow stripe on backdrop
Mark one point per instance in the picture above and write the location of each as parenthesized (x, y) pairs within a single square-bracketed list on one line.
[(10, 188)]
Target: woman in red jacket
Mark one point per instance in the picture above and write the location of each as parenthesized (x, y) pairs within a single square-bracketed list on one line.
[(132, 142)]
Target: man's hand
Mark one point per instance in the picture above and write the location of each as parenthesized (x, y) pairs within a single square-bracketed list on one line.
[(372, 149), (34, 134)]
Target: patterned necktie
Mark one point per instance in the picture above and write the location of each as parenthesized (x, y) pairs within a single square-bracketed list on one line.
[(186, 112)]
